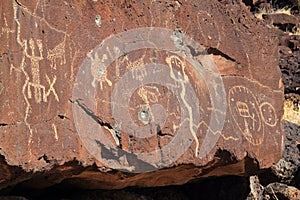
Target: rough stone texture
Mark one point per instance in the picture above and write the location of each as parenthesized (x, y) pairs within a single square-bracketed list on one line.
[(272, 191), (43, 44), (290, 162), (281, 181), (280, 18), (289, 64)]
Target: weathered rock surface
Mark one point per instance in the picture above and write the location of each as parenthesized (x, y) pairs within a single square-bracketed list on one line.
[(272, 191), (281, 18), (290, 162), (290, 65), (45, 46)]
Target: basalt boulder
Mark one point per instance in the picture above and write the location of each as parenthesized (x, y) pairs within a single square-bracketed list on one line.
[(110, 94)]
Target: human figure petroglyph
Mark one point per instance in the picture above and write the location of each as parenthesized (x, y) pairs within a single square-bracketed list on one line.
[(39, 90), (244, 112), (31, 50), (43, 94), (98, 69), (6, 29), (244, 109)]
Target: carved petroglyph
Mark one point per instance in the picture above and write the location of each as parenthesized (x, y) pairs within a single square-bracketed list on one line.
[(39, 90), (57, 54), (40, 93), (37, 85), (12, 67), (139, 73), (23, 44), (98, 70), (136, 67), (268, 114), (174, 61), (149, 94), (51, 88), (244, 110), (32, 56), (55, 132), (203, 123), (252, 108), (6, 29), (35, 70), (33, 51)]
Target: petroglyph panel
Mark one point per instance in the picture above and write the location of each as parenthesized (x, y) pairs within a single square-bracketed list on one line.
[(38, 55), (142, 98), (252, 113), (149, 93), (160, 99)]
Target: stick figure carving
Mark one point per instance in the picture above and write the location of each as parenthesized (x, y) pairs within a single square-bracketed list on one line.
[(244, 109)]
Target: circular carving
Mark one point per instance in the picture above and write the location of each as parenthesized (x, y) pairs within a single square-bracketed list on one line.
[(244, 109), (268, 114)]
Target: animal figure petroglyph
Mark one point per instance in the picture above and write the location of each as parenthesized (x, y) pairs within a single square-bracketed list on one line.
[(57, 54)]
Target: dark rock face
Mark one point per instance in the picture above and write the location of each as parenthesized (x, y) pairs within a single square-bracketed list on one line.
[(290, 162), (89, 91), (272, 191), (290, 67), (281, 181)]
